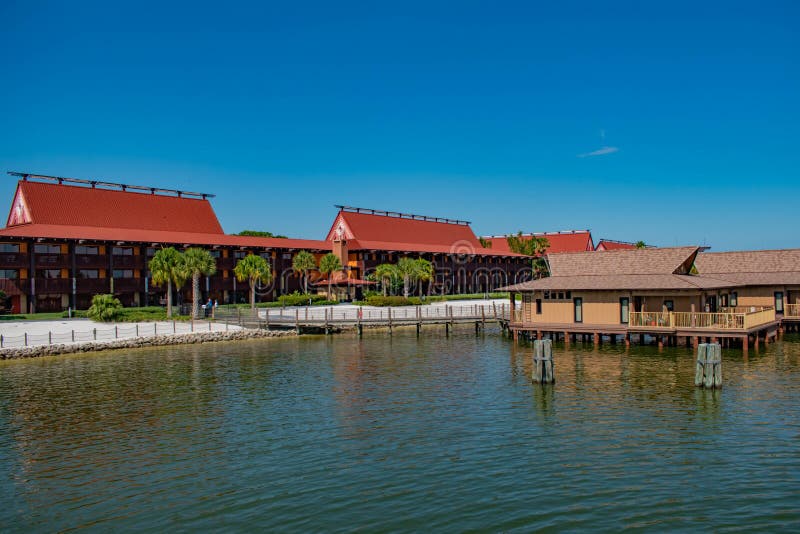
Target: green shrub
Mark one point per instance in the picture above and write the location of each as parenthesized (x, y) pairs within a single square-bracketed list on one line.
[(104, 308), (380, 300), (300, 299)]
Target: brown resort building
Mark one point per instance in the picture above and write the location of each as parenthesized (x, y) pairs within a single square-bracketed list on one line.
[(67, 240), (667, 293)]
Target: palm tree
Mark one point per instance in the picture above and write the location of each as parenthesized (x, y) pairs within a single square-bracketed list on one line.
[(303, 262), (407, 268), (641, 244), (198, 262), (253, 269), (424, 273), (329, 264), (531, 246), (386, 272), (167, 266)]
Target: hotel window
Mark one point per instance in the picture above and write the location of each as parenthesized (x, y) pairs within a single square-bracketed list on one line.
[(122, 251), (215, 253), (123, 273), (624, 309), (39, 248), (287, 255), (239, 254), (9, 273), (538, 306), (49, 273), (87, 250), (9, 247), (734, 299), (151, 251), (779, 302), (88, 273)]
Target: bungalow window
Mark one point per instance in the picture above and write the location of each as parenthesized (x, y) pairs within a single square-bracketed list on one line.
[(88, 273), (538, 306), (123, 273), (546, 295), (779, 302), (578, 304), (9, 247), (624, 309), (669, 305), (9, 273), (89, 251), (723, 301), (734, 299)]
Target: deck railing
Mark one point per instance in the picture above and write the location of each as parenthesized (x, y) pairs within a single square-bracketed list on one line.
[(726, 320), (791, 310)]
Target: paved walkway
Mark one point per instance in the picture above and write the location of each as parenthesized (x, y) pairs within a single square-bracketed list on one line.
[(34, 333)]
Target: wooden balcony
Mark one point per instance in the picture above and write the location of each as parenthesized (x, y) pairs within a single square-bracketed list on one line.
[(128, 262), (791, 311), (744, 319), (52, 260), (91, 261), (128, 285), (52, 285), (14, 260)]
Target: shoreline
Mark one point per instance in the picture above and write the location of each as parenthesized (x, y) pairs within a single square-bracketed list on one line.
[(18, 353)]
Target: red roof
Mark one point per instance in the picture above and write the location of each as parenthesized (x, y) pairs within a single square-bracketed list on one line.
[(93, 233), (608, 244), (370, 231), (69, 205), (572, 241)]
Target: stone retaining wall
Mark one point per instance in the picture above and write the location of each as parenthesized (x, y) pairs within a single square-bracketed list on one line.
[(138, 342)]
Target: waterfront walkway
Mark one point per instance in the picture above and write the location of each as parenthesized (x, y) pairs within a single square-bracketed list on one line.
[(329, 318), (16, 334)]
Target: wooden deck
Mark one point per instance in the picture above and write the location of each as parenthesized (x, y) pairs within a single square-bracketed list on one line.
[(665, 327), (332, 318)]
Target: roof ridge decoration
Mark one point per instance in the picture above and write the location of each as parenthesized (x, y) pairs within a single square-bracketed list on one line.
[(111, 186), (400, 215)]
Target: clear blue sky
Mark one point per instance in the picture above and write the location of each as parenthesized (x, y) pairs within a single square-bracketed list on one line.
[(671, 122)]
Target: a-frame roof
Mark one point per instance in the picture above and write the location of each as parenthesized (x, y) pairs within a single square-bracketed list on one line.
[(70, 205)]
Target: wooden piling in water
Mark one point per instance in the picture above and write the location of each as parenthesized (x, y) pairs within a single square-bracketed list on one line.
[(708, 370), (543, 372)]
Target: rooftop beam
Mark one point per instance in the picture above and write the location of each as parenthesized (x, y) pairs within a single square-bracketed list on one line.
[(109, 185)]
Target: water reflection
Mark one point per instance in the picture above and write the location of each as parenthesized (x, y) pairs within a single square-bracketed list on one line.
[(325, 433)]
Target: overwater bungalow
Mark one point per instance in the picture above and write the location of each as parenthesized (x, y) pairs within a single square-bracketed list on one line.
[(763, 278), (658, 292)]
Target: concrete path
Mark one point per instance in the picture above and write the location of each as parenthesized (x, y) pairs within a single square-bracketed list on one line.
[(35, 333)]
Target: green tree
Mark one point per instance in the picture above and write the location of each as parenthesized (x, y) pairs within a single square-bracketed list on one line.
[(386, 272), (531, 246), (303, 262), (485, 243), (407, 268), (424, 273), (198, 262), (259, 233), (167, 267), (329, 264), (641, 244), (104, 308), (253, 269)]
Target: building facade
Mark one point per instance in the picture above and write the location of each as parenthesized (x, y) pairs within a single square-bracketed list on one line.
[(67, 240)]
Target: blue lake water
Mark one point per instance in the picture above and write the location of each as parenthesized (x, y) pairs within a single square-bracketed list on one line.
[(399, 434)]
